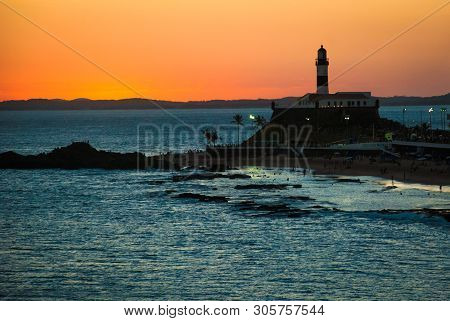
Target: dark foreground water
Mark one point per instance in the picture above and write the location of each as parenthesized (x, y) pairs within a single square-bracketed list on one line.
[(96, 234)]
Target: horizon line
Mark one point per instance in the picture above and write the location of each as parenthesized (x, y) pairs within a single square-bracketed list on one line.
[(192, 101)]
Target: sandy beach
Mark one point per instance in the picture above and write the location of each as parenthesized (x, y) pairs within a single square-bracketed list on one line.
[(403, 170), (408, 171)]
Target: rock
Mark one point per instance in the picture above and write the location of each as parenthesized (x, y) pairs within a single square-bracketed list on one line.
[(163, 163), (384, 189), (444, 213), (76, 155), (267, 186), (218, 167), (208, 176), (203, 198), (348, 180), (291, 213), (157, 182), (273, 208), (301, 198), (261, 186), (319, 207), (252, 206)]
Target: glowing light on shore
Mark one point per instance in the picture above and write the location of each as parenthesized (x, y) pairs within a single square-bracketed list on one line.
[(252, 117)]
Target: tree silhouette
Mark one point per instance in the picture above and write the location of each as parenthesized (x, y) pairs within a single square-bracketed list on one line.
[(260, 121), (210, 135), (425, 126), (239, 121), (214, 137)]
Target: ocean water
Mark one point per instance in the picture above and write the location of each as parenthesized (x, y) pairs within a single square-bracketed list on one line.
[(124, 235), (151, 131)]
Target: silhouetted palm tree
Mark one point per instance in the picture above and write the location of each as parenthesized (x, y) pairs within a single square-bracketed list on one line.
[(239, 121), (214, 137), (207, 134), (210, 135), (260, 121), (425, 126)]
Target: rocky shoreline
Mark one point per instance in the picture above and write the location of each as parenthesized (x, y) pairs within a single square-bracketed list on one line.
[(82, 155), (75, 156)]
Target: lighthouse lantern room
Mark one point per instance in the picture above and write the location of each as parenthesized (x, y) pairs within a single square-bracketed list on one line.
[(322, 71)]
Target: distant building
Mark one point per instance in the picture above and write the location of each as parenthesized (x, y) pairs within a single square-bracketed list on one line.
[(339, 99)]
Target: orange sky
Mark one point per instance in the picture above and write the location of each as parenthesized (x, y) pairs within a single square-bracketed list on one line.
[(207, 49)]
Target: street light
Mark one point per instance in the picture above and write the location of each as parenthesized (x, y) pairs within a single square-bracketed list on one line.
[(252, 117), (443, 111), (430, 111), (404, 110), (347, 118)]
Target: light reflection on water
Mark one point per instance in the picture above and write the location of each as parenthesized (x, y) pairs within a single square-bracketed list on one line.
[(94, 234)]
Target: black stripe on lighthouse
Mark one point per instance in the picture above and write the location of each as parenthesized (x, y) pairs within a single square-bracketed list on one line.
[(322, 81)]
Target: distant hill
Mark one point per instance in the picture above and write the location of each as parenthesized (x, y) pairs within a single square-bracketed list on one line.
[(418, 101), (138, 103), (134, 103)]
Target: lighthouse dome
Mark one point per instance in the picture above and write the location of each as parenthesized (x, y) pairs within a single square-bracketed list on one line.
[(321, 53)]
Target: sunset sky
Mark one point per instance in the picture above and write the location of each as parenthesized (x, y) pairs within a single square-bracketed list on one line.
[(206, 49)]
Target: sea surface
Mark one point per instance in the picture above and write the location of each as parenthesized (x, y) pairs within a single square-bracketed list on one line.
[(152, 131), (125, 235)]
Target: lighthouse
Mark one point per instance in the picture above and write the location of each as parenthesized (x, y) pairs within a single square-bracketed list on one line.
[(322, 71), (338, 109)]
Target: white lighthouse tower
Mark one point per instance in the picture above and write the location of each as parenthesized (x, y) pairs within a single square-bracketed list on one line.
[(322, 71)]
